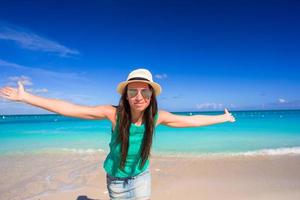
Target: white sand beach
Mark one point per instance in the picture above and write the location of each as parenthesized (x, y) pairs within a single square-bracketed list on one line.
[(74, 176)]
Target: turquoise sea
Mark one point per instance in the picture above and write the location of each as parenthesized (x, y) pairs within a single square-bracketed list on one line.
[(254, 132)]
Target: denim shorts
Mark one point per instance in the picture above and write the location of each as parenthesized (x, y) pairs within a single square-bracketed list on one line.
[(133, 188)]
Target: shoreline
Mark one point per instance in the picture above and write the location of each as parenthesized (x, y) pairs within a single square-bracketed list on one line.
[(195, 111), (66, 176), (294, 150)]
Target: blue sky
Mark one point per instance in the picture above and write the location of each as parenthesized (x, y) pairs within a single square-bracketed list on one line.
[(206, 55)]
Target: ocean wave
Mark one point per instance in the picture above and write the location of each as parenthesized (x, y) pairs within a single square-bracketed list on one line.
[(260, 152), (277, 151), (73, 150)]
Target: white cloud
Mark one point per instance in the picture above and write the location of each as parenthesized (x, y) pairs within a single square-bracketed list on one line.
[(232, 105), (280, 100), (208, 105), (24, 79), (161, 76), (42, 90), (26, 82), (29, 40), (42, 72)]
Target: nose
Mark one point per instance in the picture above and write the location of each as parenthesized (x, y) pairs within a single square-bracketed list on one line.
[(139, 96)]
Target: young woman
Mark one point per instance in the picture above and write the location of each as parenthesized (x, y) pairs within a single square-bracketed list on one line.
[(133, 124)]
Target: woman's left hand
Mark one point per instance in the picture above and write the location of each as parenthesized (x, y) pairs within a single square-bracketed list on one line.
[(228, 116)]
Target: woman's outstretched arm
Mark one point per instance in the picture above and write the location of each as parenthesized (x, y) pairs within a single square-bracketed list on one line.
[(55, 105), (173, 120)]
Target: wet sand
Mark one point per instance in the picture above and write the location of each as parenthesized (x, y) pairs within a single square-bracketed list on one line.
[(75, 176)]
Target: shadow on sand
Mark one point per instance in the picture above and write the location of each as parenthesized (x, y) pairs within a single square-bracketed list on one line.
[(85, 198)]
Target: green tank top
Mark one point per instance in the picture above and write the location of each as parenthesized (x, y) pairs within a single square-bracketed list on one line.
[(133, 160)]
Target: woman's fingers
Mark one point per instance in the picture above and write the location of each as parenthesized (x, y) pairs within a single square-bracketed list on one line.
[(232, 119), (226, 111), (12, 93), (8, 90), (4, 91), (229, 115), (9, 93), (5, 94)]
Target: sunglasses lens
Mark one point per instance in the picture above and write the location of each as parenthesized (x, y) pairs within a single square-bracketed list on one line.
[(132, 92), (146, 93)]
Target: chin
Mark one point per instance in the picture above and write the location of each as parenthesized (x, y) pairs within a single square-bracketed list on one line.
[(140, 108)]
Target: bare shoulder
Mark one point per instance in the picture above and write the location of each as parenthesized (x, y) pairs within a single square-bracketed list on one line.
[(105, 111)]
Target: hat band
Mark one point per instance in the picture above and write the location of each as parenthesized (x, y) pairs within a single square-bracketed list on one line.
[(138, 78)]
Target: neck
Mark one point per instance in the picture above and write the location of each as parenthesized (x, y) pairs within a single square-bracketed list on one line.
[(137, 116)]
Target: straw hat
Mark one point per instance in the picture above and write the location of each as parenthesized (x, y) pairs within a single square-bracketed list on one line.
[(140, 75)]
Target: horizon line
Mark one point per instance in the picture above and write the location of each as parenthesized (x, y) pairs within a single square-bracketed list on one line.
[(298, 109)]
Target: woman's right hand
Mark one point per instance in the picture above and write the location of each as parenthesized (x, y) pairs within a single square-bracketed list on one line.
[(58, 106), (14, 94)]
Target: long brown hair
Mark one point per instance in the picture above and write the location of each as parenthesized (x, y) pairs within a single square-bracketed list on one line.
[(124, 113)]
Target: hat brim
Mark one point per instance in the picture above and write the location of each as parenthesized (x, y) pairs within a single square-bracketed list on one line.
[(155, 86)]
